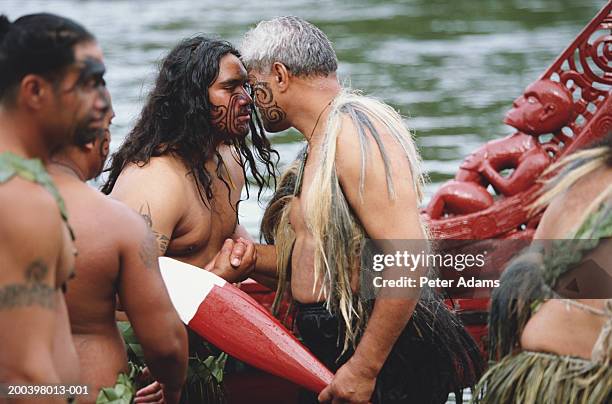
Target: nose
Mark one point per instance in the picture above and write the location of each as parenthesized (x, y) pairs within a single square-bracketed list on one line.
[(102, 102), (246, 99), (517, 102)]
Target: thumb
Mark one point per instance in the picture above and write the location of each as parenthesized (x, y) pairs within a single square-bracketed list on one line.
[(325, 395), (211, 264), (226, 250)]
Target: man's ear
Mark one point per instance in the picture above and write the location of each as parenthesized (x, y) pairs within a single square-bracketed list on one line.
[(281, 76), (33, 91)]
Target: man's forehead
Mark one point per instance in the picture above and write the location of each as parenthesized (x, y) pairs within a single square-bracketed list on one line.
[(88, 51), (256, 74), (231, 68)]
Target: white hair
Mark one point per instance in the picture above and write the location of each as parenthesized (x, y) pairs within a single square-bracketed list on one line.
[(303, 48)]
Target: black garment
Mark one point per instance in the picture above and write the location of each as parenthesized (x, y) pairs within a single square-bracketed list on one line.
[(424, 366)]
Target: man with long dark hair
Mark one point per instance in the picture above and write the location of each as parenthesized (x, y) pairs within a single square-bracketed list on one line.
[(184, 164)]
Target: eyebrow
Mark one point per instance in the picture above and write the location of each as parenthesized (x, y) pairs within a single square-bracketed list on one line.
[(91, 67), (235, 81)]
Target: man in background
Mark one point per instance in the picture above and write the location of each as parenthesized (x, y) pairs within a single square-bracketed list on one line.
[(117, 257)]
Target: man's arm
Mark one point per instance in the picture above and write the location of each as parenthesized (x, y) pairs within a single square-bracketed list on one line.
[(355, 380), (149, 309), (29, 252), (265, 269), (157, 194)]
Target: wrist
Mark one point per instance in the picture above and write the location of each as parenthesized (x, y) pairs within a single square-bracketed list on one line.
[(365, 366), (173, 388)]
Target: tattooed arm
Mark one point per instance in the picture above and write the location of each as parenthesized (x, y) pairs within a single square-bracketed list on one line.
[(148, 307), (156, 191), (32, 242)]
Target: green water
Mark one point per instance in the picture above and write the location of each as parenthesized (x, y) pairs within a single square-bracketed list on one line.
[(453, 67)]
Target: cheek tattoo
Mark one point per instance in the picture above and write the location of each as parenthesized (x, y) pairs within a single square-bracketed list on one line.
[(219, 117), (224, 117), (265, 102)]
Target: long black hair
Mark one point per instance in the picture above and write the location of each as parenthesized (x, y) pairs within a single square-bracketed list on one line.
[(177, 119), (40, 44)]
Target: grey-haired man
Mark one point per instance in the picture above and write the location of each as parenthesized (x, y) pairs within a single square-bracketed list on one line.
[(360, 161)]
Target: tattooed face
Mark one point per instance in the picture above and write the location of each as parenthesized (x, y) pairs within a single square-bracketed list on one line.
[(104, 143), (100, 146), (272, 115), (82, 99), (231, 99)]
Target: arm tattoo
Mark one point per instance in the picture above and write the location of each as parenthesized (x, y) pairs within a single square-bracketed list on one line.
[(34, 292), (148, 251), (146, 214), (162, 239)]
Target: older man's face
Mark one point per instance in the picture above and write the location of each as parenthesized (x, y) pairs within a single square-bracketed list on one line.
[(273, 116)]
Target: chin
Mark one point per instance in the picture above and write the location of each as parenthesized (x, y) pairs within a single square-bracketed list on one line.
[(508, 120), (228, 137), (275, 127)]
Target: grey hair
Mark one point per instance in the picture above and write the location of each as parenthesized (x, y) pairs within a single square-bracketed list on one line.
[(303, 48)]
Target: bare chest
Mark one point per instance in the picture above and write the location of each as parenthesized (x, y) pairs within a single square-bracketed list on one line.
[(201, 232)]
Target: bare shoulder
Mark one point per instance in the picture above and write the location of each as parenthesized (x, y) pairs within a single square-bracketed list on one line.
[(25, 205), (374, 170), (567, 209), (123, 219), (359, 149), (163, 172), (30, 223), (159, 186)]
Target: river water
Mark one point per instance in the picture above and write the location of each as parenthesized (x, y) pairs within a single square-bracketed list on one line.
[(451, 67)]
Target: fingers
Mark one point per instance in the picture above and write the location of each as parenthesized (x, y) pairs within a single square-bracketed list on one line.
[(235, 260), (250, 253), (152, 393), (226, 251), (238, 252)]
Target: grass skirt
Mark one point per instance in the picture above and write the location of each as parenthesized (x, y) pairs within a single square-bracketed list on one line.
[(537, 377)]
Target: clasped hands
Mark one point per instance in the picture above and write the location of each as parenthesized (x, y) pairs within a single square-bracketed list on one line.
[(235, 261)]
